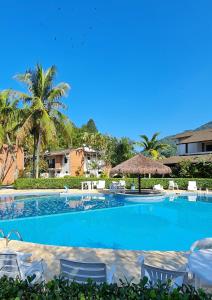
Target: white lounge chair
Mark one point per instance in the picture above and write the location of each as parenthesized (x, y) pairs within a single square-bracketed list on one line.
[(122, 183), (82, 271), (202, 244), (155, 274), (172, 185), (203, 263), (192, 186), (100, 185), (13, 266), (158, 187)]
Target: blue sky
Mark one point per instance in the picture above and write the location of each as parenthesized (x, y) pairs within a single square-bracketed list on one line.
[(134, 66)]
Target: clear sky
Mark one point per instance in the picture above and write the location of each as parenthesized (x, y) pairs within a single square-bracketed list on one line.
[(134, 66)]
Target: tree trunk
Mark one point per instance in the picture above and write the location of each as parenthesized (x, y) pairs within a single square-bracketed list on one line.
[(34, 155), (38, 153)]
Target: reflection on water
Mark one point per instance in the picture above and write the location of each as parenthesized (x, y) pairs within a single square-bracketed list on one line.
[(11, 208), (30, 206)]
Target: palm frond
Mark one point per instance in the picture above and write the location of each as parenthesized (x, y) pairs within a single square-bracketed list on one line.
[(155, 135), (26, 128), (58, 91), (49, 79)]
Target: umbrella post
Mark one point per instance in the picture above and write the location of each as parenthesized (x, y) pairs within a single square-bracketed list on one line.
[(139, 183)]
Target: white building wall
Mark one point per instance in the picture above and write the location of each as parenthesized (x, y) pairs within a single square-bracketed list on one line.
[(65, 166)]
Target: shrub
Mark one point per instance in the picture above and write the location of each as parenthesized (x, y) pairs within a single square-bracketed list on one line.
[(75, 182), (61, 289), (200, 169)]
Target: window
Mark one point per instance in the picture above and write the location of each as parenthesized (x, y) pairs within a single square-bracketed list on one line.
[(209, 147), (88, 158), (51, 163), (65, 160)]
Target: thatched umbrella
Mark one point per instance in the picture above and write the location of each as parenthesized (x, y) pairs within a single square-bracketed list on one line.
[(140, 165)]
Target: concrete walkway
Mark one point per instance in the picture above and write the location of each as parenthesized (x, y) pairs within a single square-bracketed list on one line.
[(126, 262)]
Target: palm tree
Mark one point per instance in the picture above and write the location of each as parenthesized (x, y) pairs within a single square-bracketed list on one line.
[(45, 116), (151, 146)]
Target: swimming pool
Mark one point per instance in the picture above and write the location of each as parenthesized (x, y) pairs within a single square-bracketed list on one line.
[(109, 221)]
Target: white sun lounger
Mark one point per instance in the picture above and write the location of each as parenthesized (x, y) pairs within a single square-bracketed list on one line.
[(202, 244), (192, 186), (172, 185), (12, 266), (158, 187)]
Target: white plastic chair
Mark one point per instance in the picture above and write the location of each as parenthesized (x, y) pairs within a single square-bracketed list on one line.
[(158, 187), (81, 272), (172, 185), (192, 186), (12, 266), (122, 183), (100, 185), (202, 244), (156, 275)]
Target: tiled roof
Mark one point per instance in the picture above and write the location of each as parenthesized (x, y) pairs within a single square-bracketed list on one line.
[(194, 136)]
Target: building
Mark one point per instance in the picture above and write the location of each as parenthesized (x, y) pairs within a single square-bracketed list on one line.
[(193, 146), (74, 162), (11, 164)]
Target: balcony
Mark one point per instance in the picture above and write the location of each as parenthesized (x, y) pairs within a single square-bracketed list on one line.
[(196, 153)]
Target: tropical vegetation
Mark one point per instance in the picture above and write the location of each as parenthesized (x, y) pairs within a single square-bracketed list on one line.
[(75, 182), (34, 119), (59, 288), (151, 146)]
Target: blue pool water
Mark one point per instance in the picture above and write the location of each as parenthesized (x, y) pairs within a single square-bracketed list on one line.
[(109, 221)]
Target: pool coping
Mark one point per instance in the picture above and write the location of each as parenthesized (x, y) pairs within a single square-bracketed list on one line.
[(31, 192), (126, 261)]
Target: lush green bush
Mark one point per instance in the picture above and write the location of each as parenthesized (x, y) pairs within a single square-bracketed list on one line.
[(201, 169), (61, 289), (75, 182)]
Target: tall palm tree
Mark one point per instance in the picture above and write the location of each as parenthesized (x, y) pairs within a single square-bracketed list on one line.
[(151, 146), (44, 105)]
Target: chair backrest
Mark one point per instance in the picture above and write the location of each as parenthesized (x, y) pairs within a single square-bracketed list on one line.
[(171, 183), (122, 183), (81, 272), (101, 184), (155, 274), (9, 266), (192, 184), (202, 244)]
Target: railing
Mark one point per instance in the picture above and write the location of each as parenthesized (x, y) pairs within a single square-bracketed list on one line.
[(195, 153), (7, 237)]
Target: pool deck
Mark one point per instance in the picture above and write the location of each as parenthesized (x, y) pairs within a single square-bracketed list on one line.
[(125, 260)]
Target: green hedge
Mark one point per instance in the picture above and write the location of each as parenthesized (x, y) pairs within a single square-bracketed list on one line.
[(60, 289), (75, 182)]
